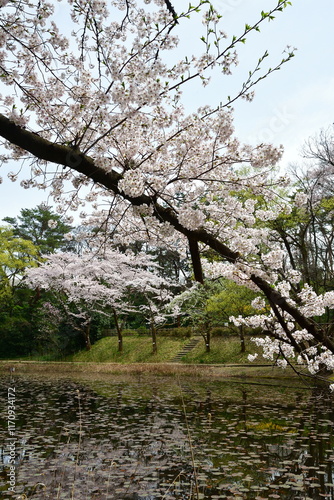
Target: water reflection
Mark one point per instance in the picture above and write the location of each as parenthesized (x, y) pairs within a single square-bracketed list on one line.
[(142, 438)]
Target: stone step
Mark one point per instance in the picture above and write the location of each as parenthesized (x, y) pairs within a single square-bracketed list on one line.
[(186, 349)]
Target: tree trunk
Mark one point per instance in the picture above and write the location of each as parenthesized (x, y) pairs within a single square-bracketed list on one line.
[(86, 334), (119, 332), (242, 339), (154, 338), (208, 342), (207, 337), (196, 259)]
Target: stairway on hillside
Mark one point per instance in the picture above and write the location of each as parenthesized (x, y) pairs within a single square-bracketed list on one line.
[(186, 348)]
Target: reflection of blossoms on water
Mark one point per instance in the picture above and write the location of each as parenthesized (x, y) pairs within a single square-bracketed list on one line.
[(126, 439)]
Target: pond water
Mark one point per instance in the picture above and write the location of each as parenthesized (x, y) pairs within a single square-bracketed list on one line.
[(155, 438)]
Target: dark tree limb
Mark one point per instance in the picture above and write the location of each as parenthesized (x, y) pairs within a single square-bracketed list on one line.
[(171, 9), (196, 259)]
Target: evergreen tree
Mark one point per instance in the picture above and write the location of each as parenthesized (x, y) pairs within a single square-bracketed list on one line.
[(46, 229)]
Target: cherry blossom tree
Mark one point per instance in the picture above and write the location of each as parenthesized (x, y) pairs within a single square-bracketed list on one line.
[(104, 284), (94, 104)]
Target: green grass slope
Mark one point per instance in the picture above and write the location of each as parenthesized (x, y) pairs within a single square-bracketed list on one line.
[(223, 350), (139, 350), (135, 350)]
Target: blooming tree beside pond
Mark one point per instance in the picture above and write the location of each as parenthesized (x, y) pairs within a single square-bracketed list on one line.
[(106, 285), (94, 104)]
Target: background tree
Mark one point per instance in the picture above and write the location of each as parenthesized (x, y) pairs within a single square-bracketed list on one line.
[(16, 255), (192, 306), (316, 197), (233, 300), (307, 236), (16, 302), (41, 225)]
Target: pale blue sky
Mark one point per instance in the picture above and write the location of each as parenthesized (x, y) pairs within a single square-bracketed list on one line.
[(290, 106), (296, 102)]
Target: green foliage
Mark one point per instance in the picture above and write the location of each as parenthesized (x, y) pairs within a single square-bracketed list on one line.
[(16, 254), (27, 322), (43, 227), (232, 300), (180, 332), (193, 303), (230, 331), (214, 302), (16, 325), (16, 305), (16, 336), (142, 330)]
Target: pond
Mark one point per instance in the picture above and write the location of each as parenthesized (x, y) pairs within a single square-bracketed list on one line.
[(144, 438)]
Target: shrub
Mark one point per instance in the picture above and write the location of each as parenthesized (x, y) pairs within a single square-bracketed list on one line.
[(232, 331), (142, 330), (178, 332), (128, 332), (224, 331)]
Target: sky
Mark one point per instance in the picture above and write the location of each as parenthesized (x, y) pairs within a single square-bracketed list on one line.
[(290, 106)]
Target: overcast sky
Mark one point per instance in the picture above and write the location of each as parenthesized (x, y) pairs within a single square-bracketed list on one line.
[(290, 106)]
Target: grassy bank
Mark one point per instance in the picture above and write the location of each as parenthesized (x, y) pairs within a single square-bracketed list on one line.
[(223, 351), (60, 368), (224, 360), (249, 373), (135, 350), (139, 350), (137, 358)]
